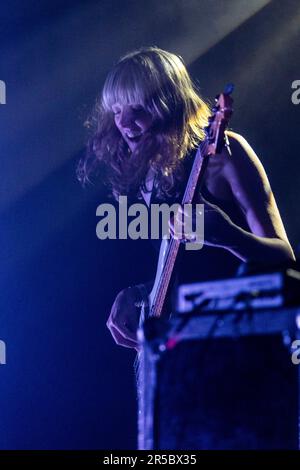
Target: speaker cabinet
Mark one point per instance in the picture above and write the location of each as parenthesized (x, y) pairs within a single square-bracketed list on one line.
[(220, 382)]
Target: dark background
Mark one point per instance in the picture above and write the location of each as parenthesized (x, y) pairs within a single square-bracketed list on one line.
[(66, 385)]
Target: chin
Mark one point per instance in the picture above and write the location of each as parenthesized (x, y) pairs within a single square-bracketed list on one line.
[(131, 145)]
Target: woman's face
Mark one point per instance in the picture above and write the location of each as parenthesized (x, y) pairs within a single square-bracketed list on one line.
[(132, 120)]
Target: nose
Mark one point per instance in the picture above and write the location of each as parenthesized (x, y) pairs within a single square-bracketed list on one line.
[(127, 120)]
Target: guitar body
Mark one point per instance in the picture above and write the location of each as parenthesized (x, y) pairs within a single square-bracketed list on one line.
[(148, 307)]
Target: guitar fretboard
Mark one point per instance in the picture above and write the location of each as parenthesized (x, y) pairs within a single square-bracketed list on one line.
[(195, 181)]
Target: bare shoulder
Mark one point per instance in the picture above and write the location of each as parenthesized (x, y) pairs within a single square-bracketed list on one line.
[(251, 188), (244, 171), (244, 160)]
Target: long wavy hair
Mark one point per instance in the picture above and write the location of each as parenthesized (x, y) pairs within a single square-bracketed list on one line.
[(158, 80)]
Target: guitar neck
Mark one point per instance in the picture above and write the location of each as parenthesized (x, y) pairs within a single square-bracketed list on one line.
[(194, 184), (213, 144)]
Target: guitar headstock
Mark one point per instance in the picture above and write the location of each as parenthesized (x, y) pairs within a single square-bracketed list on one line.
[(218, 121)]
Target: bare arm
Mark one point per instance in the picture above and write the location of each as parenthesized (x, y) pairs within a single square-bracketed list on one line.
[(267, 242)]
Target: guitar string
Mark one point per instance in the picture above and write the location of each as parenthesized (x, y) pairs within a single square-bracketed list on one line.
[(172, 250)]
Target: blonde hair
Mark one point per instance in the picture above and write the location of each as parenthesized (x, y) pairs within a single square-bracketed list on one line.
[(159, 81)]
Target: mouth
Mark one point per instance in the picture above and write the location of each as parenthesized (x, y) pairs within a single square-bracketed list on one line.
[(134, 138)]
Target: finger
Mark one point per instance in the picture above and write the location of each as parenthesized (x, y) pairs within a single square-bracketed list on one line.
[(179, 215), (121, 340), (126, 330), (175, 228), (178, 220), (176, 232), (185, 213)]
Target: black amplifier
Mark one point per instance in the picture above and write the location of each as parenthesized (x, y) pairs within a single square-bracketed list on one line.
[(221, 380)]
